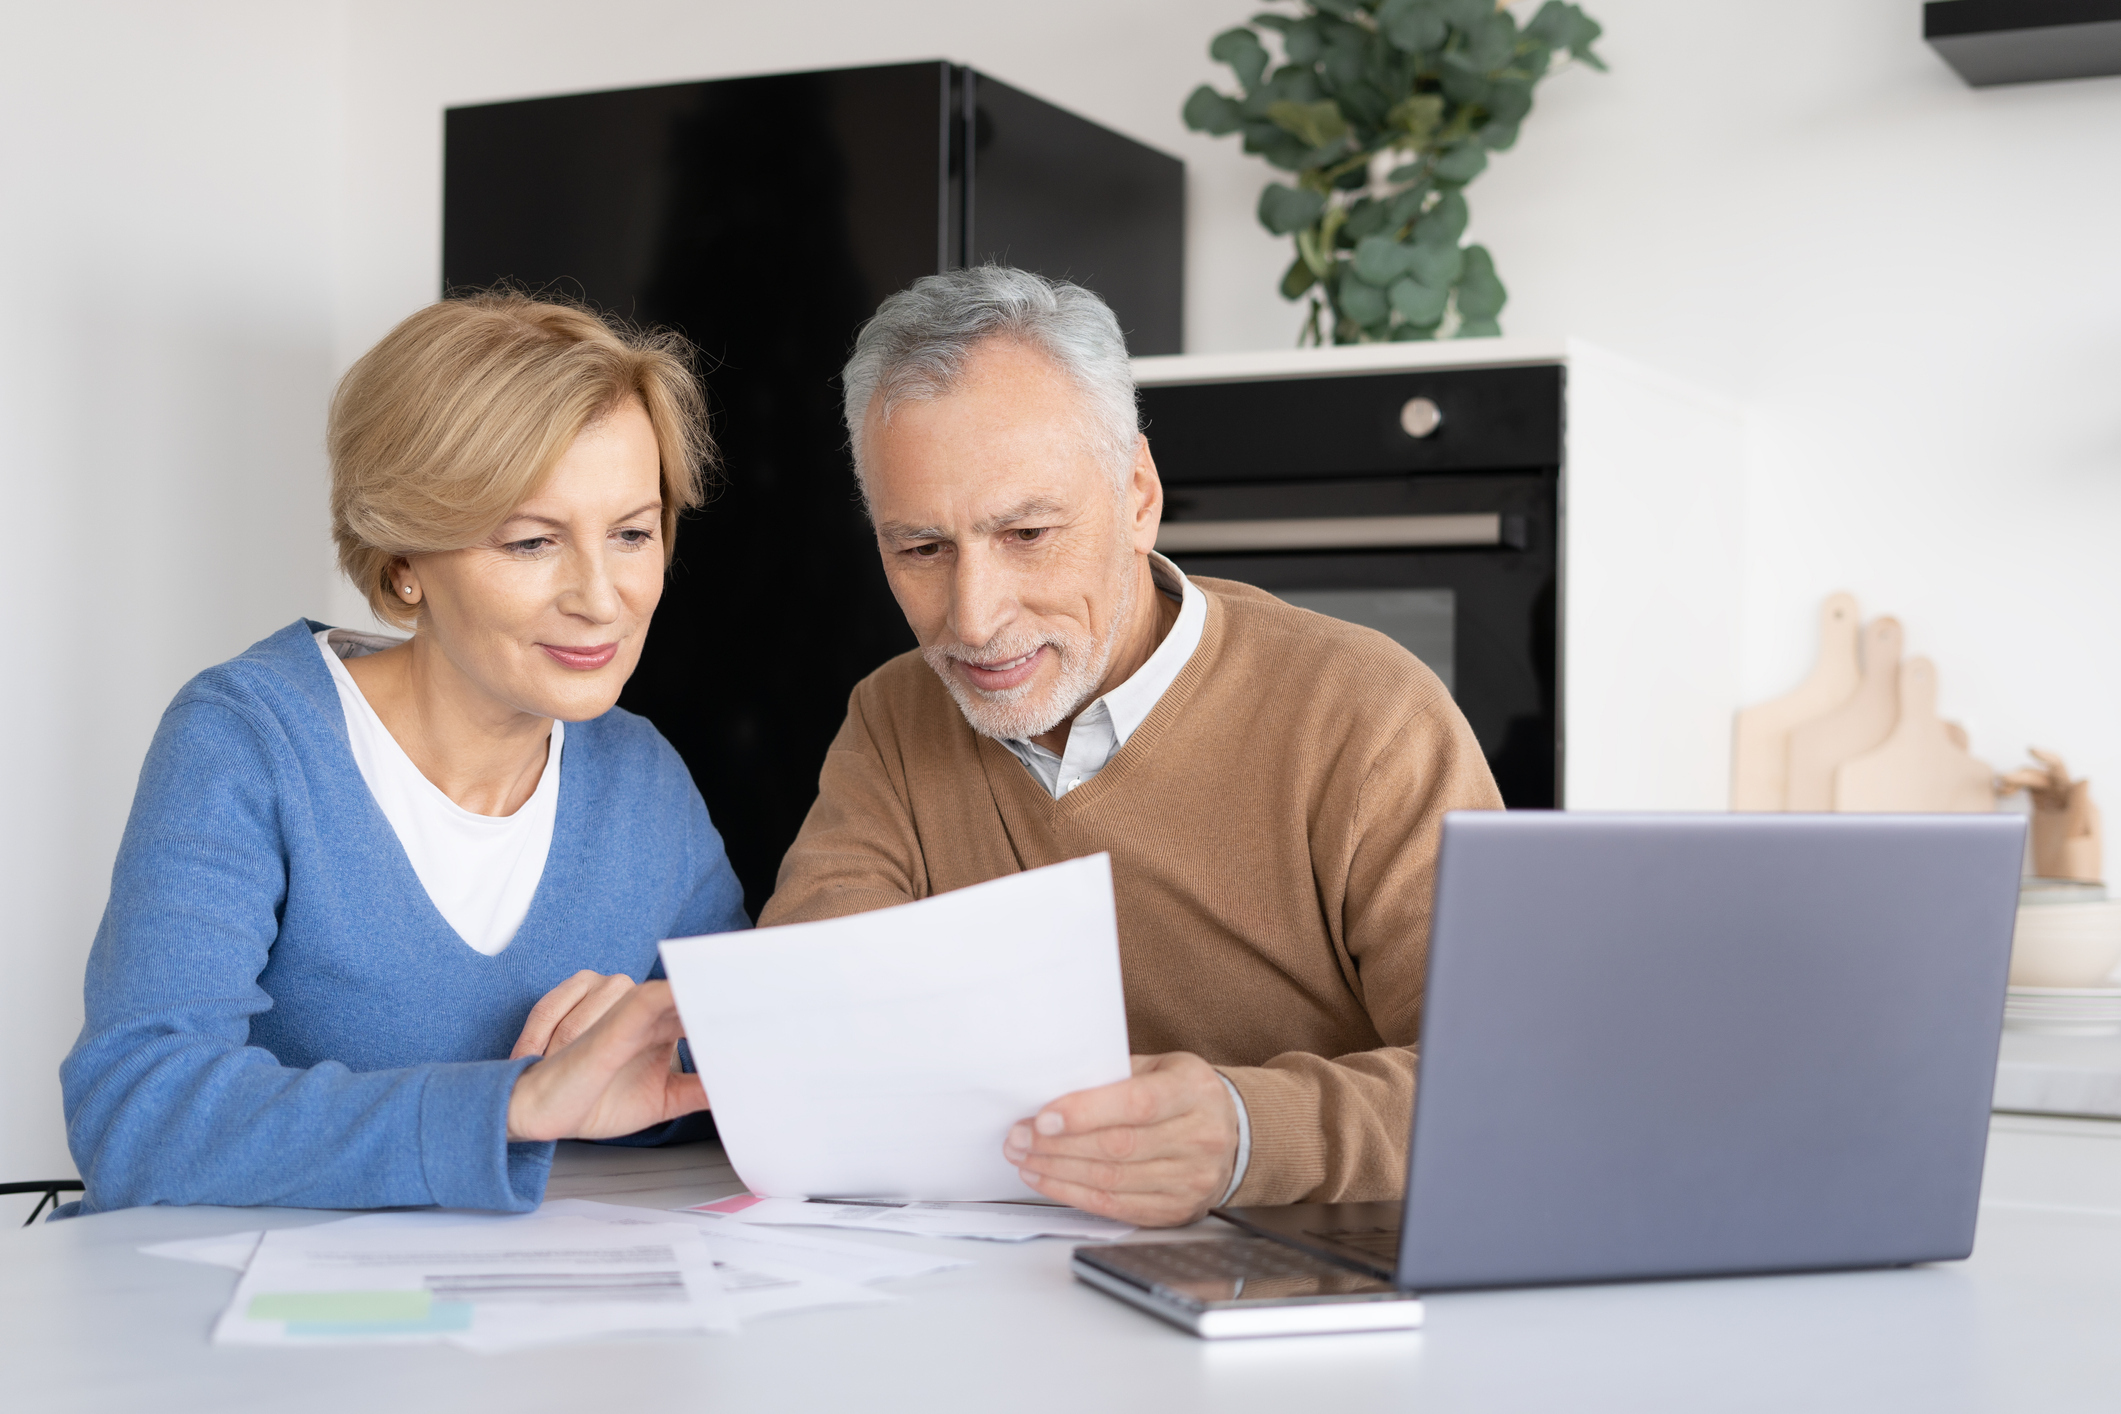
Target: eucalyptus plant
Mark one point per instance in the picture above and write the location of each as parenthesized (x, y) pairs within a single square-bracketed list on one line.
[(1384, 110)]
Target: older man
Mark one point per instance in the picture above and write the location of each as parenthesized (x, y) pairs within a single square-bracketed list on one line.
[(1269, 782)]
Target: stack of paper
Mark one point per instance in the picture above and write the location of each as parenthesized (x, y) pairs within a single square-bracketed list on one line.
[(574, 1269), (487, 1285), (992, 1222), (885, 1055)]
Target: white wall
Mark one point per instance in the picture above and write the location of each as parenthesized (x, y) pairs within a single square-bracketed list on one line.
[(211, 208), (168, 177), (1913, 287)]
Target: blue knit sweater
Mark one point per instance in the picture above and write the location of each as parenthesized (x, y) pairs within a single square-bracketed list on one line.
[(276, 1012)]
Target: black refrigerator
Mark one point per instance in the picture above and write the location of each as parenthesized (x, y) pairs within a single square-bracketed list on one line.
[(765, 218)]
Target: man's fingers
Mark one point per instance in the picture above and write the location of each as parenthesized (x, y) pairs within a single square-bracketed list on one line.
[(1143, 1210), (549, 1011), (1147, 1098), (1154, 1176)]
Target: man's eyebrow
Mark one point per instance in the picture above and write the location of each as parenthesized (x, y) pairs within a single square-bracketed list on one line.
[(1023, 510), (1032, 509), (900, 530)]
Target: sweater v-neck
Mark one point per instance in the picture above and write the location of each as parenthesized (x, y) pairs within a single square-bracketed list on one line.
[(998, 761)]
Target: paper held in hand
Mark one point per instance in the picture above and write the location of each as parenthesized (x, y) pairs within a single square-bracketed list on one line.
[(885, 1055)]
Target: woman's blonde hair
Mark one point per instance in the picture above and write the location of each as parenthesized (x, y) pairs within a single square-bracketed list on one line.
[(460, 413)]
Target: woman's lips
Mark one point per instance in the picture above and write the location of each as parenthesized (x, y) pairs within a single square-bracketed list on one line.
[(1003, 675), (582, 659)]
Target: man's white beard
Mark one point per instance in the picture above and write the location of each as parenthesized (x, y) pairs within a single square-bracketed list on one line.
[(1012, 714)]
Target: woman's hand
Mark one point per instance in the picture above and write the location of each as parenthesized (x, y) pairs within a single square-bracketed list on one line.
[(615, 1078), (568, 1010)]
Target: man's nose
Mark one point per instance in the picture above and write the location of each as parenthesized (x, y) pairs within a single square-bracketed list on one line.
[(982, 598)]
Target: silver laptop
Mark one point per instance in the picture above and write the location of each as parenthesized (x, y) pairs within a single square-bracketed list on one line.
[(1658, 1046)]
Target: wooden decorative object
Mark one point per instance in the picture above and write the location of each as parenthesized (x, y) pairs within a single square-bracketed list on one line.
[(1920, 767), (1760, 751), (1818, 747), (2066, 837)]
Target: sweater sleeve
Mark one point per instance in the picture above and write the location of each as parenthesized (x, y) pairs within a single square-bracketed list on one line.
[(167, 1102), (858, 849), (1334, 1129)]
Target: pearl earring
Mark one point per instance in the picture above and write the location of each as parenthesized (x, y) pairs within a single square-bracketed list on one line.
[(408, 591)]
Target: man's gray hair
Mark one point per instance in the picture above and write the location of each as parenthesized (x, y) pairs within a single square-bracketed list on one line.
[(916, 347)]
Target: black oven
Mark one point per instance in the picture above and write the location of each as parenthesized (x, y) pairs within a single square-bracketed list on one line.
[(1423, 503)]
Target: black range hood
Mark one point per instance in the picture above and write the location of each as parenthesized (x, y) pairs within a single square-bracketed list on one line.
[(2024, 41)]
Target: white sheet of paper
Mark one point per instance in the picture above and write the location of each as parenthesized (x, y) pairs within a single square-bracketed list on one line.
[(991, 1222), (231, 1250), (492, 1283), (764, 1277), (885, 1055)]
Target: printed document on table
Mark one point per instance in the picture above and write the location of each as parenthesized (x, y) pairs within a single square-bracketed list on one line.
[(992, 1222), (491, 1283), (885, 1055)]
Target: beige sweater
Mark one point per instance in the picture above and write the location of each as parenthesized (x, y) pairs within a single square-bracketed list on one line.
[(1273, 829)]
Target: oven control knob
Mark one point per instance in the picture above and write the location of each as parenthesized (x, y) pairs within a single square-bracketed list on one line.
[(1420, 417)]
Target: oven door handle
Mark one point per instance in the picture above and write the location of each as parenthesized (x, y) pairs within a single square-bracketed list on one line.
[(1207, 537)]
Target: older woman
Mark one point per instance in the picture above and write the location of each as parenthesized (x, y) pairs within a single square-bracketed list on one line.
[(379, 914)]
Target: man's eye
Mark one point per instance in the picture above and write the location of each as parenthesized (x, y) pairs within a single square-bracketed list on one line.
[(926, 552), (1025, 536)]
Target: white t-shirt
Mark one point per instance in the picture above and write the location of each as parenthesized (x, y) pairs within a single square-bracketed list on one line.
[(480, 871)]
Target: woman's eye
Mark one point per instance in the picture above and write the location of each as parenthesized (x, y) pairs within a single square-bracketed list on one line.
[(528, 547), (635, 539)]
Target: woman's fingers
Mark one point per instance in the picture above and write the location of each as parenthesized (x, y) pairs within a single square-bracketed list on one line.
[(547, 1014), (568, 1010), (613, 1080), (585, 1013)]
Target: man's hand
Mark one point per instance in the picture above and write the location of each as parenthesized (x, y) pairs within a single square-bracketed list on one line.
[(568, 1010), (1156, 1150), (614, 1079)]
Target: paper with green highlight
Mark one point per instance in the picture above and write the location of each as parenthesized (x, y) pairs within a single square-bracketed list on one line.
[(483, 1282)]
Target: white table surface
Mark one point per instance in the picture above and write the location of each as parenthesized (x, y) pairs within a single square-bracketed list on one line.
[(2032, 1322)]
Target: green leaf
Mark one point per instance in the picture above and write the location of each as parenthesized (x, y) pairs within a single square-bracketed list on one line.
[(1281, 24), (1363, 303), (1354, 179), (1298, 278), (1315, 124), (1480, 295), (1443, 223), (1286, 210), (1302, 42), (1343, 57), (1242, 51), (1207, 111), (1379, 260), (1418, 115), (1464, 14), (1563, 26), (1405, 173), (1461, 84), (1489, 42), (1499, 137), (1461, 164), (1408, 333), (1508, 102), (1407, 205), (1418, 304), (1436, 266), (1416, 26), (1478, 329), (1365, 218), (1346, 9)]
